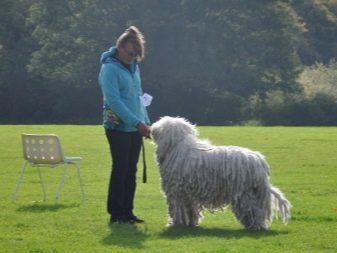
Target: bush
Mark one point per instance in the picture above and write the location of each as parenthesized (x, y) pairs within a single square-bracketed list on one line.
[(297, 109)]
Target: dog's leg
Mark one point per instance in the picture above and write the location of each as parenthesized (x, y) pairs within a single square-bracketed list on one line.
[(171, 213), (183, 213), (253, 211), (192, 214)]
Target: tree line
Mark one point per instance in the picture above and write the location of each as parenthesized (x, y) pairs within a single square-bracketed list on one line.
[(214, 62)]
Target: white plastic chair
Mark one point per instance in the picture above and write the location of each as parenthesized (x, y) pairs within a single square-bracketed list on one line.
[(45, 150)]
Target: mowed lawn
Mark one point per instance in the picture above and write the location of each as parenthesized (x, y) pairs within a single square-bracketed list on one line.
[(303, 165)]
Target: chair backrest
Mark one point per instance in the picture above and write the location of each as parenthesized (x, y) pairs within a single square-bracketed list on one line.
[(42, 148)]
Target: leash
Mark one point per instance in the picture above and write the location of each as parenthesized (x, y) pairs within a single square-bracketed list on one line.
[(144, 163)]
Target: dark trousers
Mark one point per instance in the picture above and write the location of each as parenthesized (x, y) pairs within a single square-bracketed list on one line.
[(124, 148)]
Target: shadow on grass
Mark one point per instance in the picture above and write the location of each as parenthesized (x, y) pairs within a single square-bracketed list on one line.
[(178, 232), (43, 207), (125, 235)]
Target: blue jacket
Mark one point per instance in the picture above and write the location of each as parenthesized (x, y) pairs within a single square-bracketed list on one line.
[(121, 89)]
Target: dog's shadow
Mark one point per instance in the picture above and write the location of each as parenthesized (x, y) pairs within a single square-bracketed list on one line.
[(178, 232)]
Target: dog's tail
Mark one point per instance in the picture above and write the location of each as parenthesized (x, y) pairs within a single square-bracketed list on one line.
[(280, 205)]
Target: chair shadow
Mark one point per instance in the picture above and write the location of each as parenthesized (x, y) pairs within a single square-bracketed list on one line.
[(178, 232), (125, 235), (44, 207)]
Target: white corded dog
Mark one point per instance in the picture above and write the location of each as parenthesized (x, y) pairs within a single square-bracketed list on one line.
[(196, 175)]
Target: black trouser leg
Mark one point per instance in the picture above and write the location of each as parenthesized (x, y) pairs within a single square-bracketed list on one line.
[(136, 140), (125, 149)]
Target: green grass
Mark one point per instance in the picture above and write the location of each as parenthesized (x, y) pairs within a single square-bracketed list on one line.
[(304, 167)]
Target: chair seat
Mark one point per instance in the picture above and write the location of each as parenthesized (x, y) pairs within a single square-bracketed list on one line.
[(45, 150), (72, 159)]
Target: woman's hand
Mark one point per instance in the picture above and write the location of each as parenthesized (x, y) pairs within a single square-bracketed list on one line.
[(144, 130)]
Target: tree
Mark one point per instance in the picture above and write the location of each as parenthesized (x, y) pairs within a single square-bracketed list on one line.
[(17, 99), (218, 47), (320, 19), (320, 79), (71, 36), (204, 59)]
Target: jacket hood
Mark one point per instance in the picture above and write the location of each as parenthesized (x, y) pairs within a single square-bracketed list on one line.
[(106, 56)]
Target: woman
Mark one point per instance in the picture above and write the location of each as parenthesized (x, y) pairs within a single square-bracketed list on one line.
[(125, 120)]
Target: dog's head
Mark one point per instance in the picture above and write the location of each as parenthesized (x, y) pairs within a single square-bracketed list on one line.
[(169, 130)]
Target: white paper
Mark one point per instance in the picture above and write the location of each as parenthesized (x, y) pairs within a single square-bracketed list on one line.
[(146, 99)]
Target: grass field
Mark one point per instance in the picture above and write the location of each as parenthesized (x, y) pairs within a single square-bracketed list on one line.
[(303, 165)]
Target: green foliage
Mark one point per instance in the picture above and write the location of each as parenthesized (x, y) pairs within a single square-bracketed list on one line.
[(218, 49), (16, 45), (320, 19), (320, 78), (315, 105), (281, 108), (303, 166), (204, 59)]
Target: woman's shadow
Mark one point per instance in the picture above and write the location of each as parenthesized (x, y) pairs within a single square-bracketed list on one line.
[(125, 235)]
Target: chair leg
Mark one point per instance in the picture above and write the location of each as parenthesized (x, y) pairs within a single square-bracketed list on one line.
[(19, 180), (81, 182), (42, 185), (61, 183)]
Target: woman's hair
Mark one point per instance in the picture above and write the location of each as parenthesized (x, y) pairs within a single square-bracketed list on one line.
[(136, 38)]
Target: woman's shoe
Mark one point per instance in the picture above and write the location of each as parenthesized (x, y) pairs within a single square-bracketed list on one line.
[(134, 219)]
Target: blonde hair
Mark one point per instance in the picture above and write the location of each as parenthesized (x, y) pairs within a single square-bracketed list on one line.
[(136, 38)]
